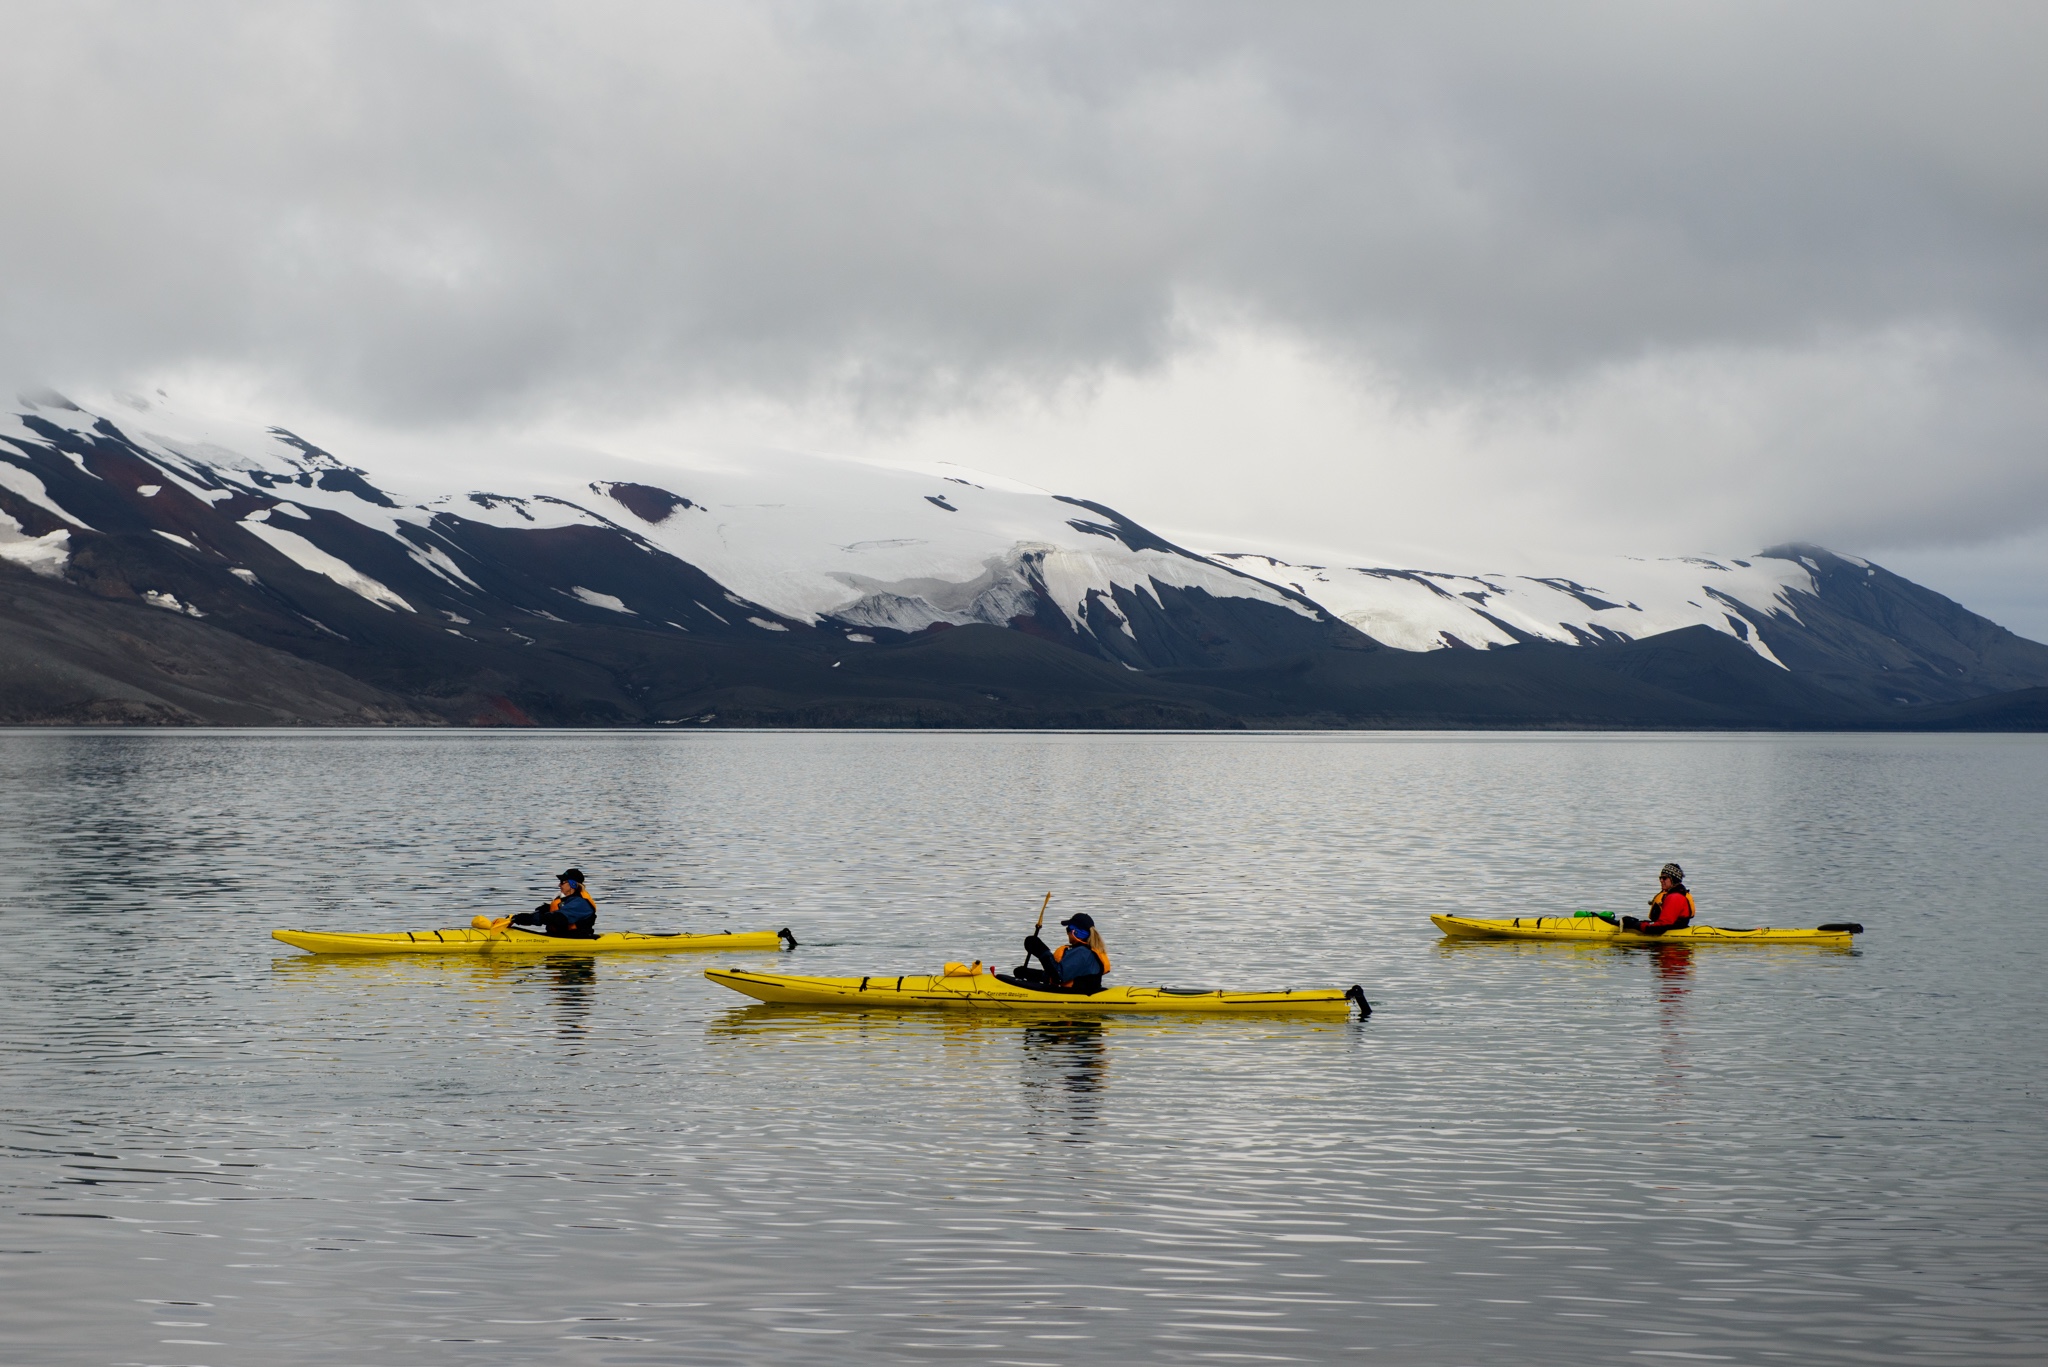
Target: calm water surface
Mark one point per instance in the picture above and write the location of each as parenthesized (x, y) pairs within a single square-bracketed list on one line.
[(220, 1151)]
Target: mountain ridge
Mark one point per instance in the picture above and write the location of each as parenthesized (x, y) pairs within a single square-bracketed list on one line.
[(805, 588)]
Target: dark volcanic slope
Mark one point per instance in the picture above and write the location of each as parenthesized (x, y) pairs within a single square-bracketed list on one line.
[(1692, 678), (2024, 709), (1871, 635), (1716, 671), (67, 658), (973, 675)]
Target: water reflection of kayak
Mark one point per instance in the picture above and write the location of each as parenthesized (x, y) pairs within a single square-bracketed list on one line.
[(470, 941), (988, 992), (1597, 929)]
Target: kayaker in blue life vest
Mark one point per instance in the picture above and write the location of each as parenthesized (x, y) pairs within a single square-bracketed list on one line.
[(573, 915), (1076, 966), (1670, 909)]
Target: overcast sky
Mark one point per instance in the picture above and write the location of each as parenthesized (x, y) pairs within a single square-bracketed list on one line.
[(1436, 281)]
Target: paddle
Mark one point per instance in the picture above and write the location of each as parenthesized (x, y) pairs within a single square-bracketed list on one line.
[(1037, 928)]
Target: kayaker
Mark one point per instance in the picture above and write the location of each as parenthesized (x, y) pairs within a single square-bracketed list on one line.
[(572, 915), (1670, 909), (1076, 966)]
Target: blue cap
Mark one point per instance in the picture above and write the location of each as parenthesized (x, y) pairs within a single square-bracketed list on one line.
[(1080, 922)]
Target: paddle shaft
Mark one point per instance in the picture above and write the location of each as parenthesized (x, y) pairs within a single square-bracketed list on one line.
[(1035, 929)]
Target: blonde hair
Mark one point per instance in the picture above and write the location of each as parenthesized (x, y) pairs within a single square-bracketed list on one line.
[(1095, 945)]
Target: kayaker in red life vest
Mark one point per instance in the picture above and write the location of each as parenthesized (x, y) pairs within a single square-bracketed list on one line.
[(1670, 909), (1076, 966), (573, 915)]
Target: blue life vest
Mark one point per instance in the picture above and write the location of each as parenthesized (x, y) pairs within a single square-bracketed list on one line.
[(577, 908), (1079, 961)]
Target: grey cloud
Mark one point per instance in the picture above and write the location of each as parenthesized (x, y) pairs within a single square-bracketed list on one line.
[(428, 210)]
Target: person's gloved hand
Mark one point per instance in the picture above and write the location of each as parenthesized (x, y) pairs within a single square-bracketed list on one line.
[(1034, 945), (542, 907)]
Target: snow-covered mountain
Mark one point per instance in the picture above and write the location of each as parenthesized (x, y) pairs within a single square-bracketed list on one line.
[(1613, 599), (1838, 619), (262, 532), (786, 543)]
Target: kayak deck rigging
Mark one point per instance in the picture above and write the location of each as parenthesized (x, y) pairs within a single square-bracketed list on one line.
[(990, 992), (1598, 930), (466, 940)]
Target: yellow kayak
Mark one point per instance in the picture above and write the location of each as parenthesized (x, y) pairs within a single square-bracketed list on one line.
[(471, 941), (988, 992), (1595, 929)]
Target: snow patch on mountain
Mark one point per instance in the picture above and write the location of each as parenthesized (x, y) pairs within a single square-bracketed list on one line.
[(215, 459), (169, 602), (310, 557), (433, 558), (1616, 598), (24, 484), (46, 555), (817, 539), (601, 600)]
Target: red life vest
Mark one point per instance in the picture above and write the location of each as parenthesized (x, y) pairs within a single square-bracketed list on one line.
[(1673, 908)]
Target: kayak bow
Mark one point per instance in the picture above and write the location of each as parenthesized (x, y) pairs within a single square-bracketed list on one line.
[(1598, 930), (988, 992), (469, 941)]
